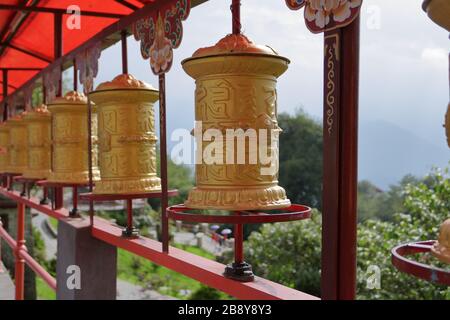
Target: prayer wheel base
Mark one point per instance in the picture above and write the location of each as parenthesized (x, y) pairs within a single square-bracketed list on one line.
[(75, 178), (239, 271), (37, 175), (269, 198), (441, 252), (128, 186)]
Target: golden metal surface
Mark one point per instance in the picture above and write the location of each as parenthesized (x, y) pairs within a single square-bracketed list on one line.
[(38, 123), (127, 140), (236, 89), (18, 146), (441, 249), (4, 143), (70, 140)]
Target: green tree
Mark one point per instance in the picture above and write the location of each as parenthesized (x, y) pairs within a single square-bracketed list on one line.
[(290, 253), (301, 158)]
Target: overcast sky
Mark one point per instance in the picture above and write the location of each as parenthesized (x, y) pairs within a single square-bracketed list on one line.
[(404, 62)]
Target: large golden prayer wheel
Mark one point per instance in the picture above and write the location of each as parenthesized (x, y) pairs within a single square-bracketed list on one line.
[(236, 92), (39, 124), (127, 139), (70, 140), (4, 143), (18, 144)]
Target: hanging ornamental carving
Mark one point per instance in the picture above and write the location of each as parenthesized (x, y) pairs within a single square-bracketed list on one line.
[(326, 15), (87, 66), (51, 83), (162, 32)]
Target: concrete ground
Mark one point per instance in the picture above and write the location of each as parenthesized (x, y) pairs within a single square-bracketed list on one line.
[(6, 284)]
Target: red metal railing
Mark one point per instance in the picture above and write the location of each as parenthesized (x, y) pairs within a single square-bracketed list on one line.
[(207, 271)]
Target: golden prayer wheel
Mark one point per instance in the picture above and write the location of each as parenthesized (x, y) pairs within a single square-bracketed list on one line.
[(70, 140), (236, 90), (441, 249), (39, 124), (4, 142), (127, 139), (18, 144)]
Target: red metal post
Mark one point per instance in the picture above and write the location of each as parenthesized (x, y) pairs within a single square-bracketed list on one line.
[(236, 14), (238, 243), (75, 75), (58, 194), (19, 277), (5, 94), (163, 163), (74, 211), (58, 45), (340, 156), (123, 37)]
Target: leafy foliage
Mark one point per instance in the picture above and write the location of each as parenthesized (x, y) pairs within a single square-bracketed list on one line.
[(290, 253), (301, 153)]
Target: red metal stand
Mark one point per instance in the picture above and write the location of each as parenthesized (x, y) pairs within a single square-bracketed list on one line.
[(130, 231), (417, 269), (27, 184), (58, 189), (239, 270), (8, 177)]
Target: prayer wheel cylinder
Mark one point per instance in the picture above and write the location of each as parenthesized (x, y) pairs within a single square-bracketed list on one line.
[(441, 248), (39, 124), (236, 90), (127, 139), (4, 142), (70, 140), (18, 144)]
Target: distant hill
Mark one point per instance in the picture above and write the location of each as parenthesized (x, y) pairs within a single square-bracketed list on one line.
[(388, 152)]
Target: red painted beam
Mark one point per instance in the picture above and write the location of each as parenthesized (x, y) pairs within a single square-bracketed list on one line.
[(34, 203), (201, 269)]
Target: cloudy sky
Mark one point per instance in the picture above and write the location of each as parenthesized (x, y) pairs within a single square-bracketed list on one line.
[(404, 65)]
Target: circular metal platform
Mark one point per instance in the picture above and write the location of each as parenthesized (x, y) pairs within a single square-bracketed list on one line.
[(292, 213), (420, 270)]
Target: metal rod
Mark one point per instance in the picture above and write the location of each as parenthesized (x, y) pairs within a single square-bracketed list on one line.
[(58, 193), (236, 14), (91, 187), (123, 37), (238, 243), (5, 94), (20, 262), (163, 163), (58, 45), (75, 75), (61, 11), (129, 214), (74, 211)]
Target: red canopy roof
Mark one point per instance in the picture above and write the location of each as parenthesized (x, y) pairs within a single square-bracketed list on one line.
[(27, 37)]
